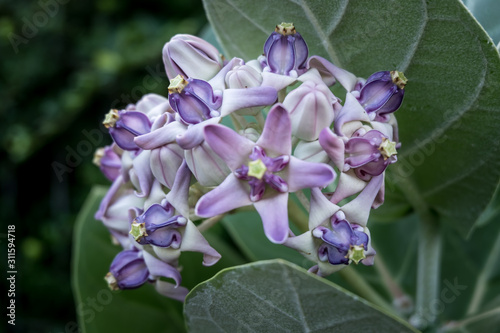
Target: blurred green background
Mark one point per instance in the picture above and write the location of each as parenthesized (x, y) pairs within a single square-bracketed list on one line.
[(64, 64)]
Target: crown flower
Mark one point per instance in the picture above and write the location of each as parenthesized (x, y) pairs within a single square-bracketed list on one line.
[(235, 135)]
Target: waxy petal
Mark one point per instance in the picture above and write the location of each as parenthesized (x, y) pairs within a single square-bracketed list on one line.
[(229, 145), (159, 268), (161, 136), (302, 174), (333, 146), (351, 111), (178, 195), (358, 210), (230, 194), (193, 241), (321, 208), (170, 290), (275, 137), (332, 73), (274, 214), (237, 99)]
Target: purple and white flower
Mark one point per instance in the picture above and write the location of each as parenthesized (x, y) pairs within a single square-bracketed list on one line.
[(263, 173)]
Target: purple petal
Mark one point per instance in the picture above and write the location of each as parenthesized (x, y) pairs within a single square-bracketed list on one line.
[(229, 145), (178, 195), (332, 73), (165, 161), (277, 81), (333, 146), (358, 210), (129, 269), (159, 268), (229, 195), (274, 214), (236, 99), (348, 185), (171, 290), (302, 174), (276, 135), (321, 208), (193, 136), (351, 111), (142, 170), (161, 136), (193, 241)]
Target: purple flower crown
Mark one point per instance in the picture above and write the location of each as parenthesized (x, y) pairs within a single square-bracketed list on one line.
[(173, 163)]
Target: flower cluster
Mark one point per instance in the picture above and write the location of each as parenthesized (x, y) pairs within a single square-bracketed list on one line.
[(173, 162)]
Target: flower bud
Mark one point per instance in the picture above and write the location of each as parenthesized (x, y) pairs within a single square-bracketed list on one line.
[(194, 100), (124, 126), (311, 109), (285, 51), (127, 271), (191, 57), (382, 94), (370, 153), (207, 167), (109, 161), (343, 243), (244, 77), (158, 226)]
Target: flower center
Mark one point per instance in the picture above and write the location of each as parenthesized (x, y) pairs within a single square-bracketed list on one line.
[(256, 169), (356, 253), (259, 172), (285, 29), (399, 79), (111, 118), (387, 148), (138, 230), (177, 84)]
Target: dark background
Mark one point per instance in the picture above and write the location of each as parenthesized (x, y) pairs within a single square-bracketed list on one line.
[(64, 64)]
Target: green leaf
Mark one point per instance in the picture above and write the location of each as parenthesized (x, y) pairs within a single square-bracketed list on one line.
[(277, 296), (142, 309), (486, 12), (448, 121)]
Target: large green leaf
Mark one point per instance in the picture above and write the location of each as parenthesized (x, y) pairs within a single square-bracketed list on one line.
[(448, 122), (139, 310), (486, 12), (277, 296)]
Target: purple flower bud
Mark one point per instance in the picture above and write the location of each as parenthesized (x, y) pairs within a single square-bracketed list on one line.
[(382, 94), (369, 153), (343, 243), (207, 167), (108, 159), (244, 77), (158, 226), (194, 100), (311, 109), (165, 161), (127, 271), (285, 51), (191, 57), (124, 126)]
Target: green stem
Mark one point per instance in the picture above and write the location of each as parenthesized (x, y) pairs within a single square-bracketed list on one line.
[(298, 216), (281, 95), (482, 280), (208, 223), (462, 323), (363, 288), (401, 301), (260, 119), (429, 256)]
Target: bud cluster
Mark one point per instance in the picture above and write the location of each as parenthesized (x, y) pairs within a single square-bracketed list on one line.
[(173, 162)]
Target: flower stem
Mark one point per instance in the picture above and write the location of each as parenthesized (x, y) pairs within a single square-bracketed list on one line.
[(208, 223), (401, 301), (482, 280), (462, 323), (363, 288), (281, 95), (429, 256), (298, 216), (260, 119)]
